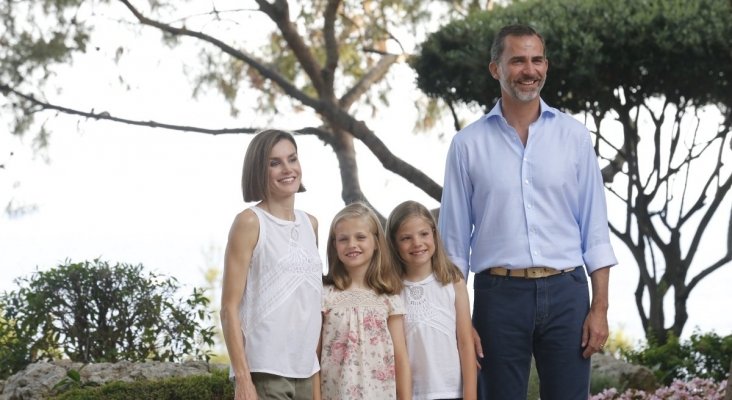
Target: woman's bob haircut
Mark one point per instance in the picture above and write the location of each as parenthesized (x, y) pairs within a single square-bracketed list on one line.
[(255, 174)]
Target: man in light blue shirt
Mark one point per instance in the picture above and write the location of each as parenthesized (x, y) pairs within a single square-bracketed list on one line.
[(523, 207)]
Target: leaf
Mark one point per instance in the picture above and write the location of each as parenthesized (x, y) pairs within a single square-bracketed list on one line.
[(74, 375)]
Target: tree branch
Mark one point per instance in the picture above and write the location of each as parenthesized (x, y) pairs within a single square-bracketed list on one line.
[(453, 112), (331, 45), (322, 134), (712, 177), (388, 160), (722, 261), (374, 75), (279, 13), (613, 168), (706, 218), (266, 72), (657, 123)]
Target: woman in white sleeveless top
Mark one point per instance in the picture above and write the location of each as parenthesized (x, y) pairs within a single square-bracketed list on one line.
[(272, 287), (438, 327)]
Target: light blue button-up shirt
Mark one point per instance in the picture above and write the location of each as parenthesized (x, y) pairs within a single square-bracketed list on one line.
[(507, 205)]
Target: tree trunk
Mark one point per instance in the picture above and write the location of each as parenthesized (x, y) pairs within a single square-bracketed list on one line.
[(656, 318), (346, 155)]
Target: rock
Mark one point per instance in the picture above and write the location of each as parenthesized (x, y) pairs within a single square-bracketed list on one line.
[(625, 375), (37, 380), (33, 382)]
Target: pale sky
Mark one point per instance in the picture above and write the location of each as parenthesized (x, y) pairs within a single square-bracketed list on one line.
[(166, 199)]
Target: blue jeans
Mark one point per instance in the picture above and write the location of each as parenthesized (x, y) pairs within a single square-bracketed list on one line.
[(517, 318)]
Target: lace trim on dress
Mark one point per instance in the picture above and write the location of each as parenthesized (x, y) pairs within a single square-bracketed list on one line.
[(297, 266), (418, 307), (355, 297), (293, 270), (421, 310)]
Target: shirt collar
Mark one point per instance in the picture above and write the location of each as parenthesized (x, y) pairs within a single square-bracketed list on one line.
[(544, 108)]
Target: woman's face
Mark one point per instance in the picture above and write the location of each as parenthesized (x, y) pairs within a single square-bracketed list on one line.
[(284, 169)]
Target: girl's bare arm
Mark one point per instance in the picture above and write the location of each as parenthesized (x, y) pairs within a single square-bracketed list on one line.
[(395, 324), (466, 347)]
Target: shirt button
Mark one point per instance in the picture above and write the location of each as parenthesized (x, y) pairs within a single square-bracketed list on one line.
[(528, 206), (526, 181), (536, 253)]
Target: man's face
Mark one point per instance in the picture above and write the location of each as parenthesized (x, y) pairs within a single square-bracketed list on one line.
[(521, 70)]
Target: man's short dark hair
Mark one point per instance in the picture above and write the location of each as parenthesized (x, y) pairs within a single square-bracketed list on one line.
[(499, 42)]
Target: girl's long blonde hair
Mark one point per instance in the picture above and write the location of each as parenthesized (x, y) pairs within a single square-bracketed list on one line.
[(444, 270), (381, 275)]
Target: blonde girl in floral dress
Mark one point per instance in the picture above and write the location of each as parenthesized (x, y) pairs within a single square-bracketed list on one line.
[(363, 352), (438, 327)]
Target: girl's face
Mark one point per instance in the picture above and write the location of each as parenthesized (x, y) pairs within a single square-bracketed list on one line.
[(354, 242), (284, 169), (415, 241)]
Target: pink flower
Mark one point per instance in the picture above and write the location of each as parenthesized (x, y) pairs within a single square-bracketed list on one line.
[(338, 352), (355, 392), (384, 374), (695, 389), (339, 349), (372, 322)]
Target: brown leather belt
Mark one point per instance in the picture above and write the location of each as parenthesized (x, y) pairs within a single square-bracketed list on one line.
[(528, 273)]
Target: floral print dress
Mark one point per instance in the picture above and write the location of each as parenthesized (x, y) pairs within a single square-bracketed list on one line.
[(357, 353)]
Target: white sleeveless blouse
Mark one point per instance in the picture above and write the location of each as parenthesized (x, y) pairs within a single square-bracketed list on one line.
[(280, 310), (431, 331)]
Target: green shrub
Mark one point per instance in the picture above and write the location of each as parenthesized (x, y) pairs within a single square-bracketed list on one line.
[(706, 356), (14, 346), (94, 312), (599, 382), (202, 387), (533, 389)]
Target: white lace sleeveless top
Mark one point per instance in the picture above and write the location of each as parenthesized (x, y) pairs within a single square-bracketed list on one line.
[(432, 339), (280, 310)]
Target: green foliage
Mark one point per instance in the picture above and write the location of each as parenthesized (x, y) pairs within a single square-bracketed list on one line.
[(705, 356), (37, 37), (362, 29), (599, 382), (94, 312), (14, 346), (72, 381), (27, 50), (204, 387), (672, 48), (533, 389)]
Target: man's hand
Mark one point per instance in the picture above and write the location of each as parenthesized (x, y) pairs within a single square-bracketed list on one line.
[(478, 347), (594, 332)]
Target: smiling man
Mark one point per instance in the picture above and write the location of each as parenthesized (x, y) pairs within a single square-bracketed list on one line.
[(523, 207)]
